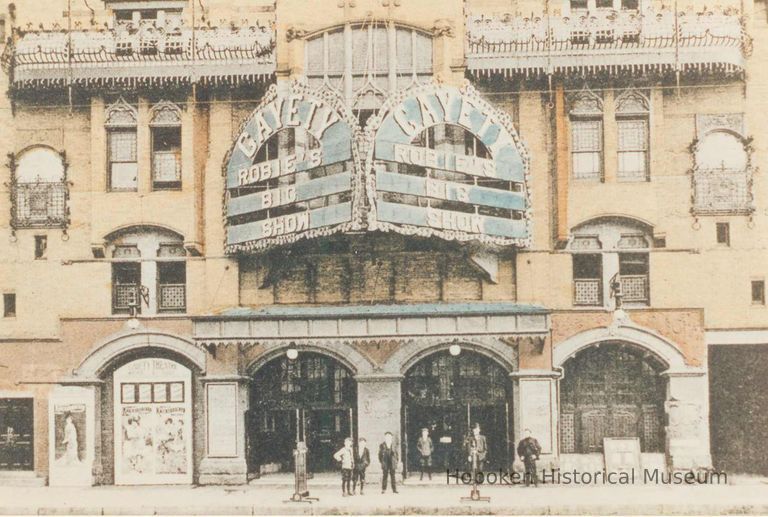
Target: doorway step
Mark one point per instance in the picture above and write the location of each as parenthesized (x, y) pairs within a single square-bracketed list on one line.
[(23, 478)]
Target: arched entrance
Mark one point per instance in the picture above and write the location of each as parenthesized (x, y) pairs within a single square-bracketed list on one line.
[(312, 398), (447, 394), (611, 390)]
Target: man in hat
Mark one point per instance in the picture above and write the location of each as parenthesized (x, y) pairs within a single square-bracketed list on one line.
[(388, 459), (529, 450)]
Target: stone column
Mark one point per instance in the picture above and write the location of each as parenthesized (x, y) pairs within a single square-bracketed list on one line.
[(379, 404), (226, 401), (72, 435), (535, 408), (687, 407)]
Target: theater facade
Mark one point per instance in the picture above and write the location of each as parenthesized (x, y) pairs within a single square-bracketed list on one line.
[(233, 226)]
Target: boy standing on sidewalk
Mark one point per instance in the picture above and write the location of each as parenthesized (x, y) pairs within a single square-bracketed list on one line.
[(346, 456), (362, 460)]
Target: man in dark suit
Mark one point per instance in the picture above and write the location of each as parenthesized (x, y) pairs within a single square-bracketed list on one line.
[(476, 443), (388, 460), (529, 450)]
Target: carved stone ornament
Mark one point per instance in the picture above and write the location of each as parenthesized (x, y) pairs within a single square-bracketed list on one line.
[(165, 113), (728, 121), (121, 114), (295, 33), (443, 27), (632, 102), (585, 102)]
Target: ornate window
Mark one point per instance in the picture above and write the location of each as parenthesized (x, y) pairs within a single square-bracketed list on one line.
[(632, 115), (122, 162), (39, 189), (165, 128), (722, 173), (586, 115), (609, 250), (364, 62), (148, 271)]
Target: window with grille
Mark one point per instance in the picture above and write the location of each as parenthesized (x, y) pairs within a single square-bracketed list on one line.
[(171, 286), (633, 275), (633, 149), (587, 149), (39, 189), (123, 165), (587, 279), (364, 62), (126, 284)]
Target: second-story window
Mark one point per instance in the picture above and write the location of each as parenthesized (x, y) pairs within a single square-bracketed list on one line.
[(632, 110), (148, 271), (39, 189), (165, 128), (586, 117), (122, 155)]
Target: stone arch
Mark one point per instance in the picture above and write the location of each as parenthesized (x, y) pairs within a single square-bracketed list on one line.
[(128, 228), (342, 352), (664, 350), (411, 352), (107, 352)]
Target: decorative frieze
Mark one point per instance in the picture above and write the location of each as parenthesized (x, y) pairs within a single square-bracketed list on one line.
[(650, 41)]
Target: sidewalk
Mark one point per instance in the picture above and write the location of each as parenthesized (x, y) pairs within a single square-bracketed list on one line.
[(750, 498)]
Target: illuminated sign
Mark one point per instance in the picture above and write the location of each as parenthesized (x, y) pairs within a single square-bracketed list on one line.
[(291, 170), (447, 163)]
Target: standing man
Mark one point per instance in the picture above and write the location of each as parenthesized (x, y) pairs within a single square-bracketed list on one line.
[(362, 460), (425, 447), (476, 442), (388, 460), (529, 450)]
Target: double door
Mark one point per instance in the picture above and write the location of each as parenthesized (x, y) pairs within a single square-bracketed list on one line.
[(273, 434), (16, 434)]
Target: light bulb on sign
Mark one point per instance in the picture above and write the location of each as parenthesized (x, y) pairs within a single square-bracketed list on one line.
[(292, 354), (454, 350)]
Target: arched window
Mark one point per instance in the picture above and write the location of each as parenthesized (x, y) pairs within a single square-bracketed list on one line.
[(611, 248), (722, 173), (148, 271), (165, 127), (122, 162), (586, 117), (39, 189), (632, 113), (366, 61)]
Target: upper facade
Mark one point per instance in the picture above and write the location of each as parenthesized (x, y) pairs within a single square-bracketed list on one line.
[(164, 152)]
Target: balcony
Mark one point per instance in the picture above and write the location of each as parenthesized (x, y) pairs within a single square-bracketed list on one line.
[(587, 292), (39, 205), (141, 55), (634, 289), (608, 41), (172, 298)]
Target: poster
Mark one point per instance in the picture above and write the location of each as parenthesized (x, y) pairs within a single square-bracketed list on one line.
[(69, 432)]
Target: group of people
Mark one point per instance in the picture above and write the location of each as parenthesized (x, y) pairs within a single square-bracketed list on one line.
[(355, 461)]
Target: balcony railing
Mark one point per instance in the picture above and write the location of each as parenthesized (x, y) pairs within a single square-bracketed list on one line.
[(608, 40), (634, 288), (172, 297), (587, 291), (129, 55), (39, 205), (125, 296)]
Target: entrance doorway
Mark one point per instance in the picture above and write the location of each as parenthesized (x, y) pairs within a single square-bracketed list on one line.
[(16, 434), (611, 391), (447, 395), (312, 399)]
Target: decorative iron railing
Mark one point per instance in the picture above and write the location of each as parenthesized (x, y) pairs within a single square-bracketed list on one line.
[(39, 205), (172, 297), (587, 291), (145, 53), (125, 296), (608, 40), (634, 288), (722, 191)]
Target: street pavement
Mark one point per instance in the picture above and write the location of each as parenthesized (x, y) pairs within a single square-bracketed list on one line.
[(747, 496)]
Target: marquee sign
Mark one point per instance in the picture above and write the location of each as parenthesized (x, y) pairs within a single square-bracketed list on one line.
[(431, 178), (291, 172)]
